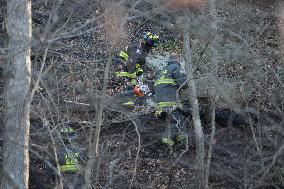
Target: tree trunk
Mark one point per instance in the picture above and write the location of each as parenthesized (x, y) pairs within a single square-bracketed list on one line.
[(16, 131), (194, 109)]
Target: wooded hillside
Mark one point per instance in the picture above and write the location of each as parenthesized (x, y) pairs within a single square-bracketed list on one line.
[(234, 48)]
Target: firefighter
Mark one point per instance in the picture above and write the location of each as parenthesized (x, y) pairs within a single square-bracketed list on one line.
[(128, 69), (121, 72), (70, 159), (130, 63), (123, 81), (168, 108), (139, 51)]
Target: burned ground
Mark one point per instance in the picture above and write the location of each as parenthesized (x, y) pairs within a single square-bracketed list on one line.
[(244, 154)]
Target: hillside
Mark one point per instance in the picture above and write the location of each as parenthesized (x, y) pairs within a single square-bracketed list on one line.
[(73, 41)]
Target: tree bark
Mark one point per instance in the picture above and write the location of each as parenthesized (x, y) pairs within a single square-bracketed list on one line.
[(16, 131), (194, 109)]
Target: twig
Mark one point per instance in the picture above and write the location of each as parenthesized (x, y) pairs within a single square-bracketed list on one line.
[(110, 168), (279, 152), (137, 155), (93, 148), (55, 155), (195, 109), (253, 133), (183, 152), (213, 124)]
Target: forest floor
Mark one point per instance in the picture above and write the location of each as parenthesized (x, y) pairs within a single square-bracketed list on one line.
[(236, 162)]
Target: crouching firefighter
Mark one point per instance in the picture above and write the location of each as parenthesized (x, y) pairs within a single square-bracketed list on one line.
[(140, 50), (136, 65), (129, 72), (168, 108), (125, 80), (70, 159)]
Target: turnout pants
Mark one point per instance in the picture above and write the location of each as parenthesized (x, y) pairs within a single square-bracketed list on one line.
[(174, 124)]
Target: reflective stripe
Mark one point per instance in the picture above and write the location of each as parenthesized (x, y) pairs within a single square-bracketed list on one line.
[(125, 74), (69, 168), (129, 104), (123, 55), (168, 141), (138, 69), (164, 104), (171, 105), (181, 137), (133, 82), (164, 81), (67, 130)]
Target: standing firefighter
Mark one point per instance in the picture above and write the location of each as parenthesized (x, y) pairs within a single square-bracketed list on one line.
[(70, 159), (168, 108)]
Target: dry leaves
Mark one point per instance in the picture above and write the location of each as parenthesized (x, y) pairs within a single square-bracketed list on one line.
[(114, 21)]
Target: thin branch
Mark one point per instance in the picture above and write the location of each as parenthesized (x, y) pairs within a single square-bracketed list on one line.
[(195, 108), (278, 153), (137, 154), (211, 142)]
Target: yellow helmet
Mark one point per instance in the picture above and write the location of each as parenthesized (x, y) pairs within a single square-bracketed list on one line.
[(152, 39)]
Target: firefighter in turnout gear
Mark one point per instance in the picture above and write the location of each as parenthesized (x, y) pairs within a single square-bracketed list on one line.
[(128, 69), (131, 62), (125, 80), (168, 108), (139, 51), (121, 72), (70, 160)]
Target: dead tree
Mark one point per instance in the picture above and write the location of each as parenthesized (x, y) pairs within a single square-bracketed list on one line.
[(16, 132)]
